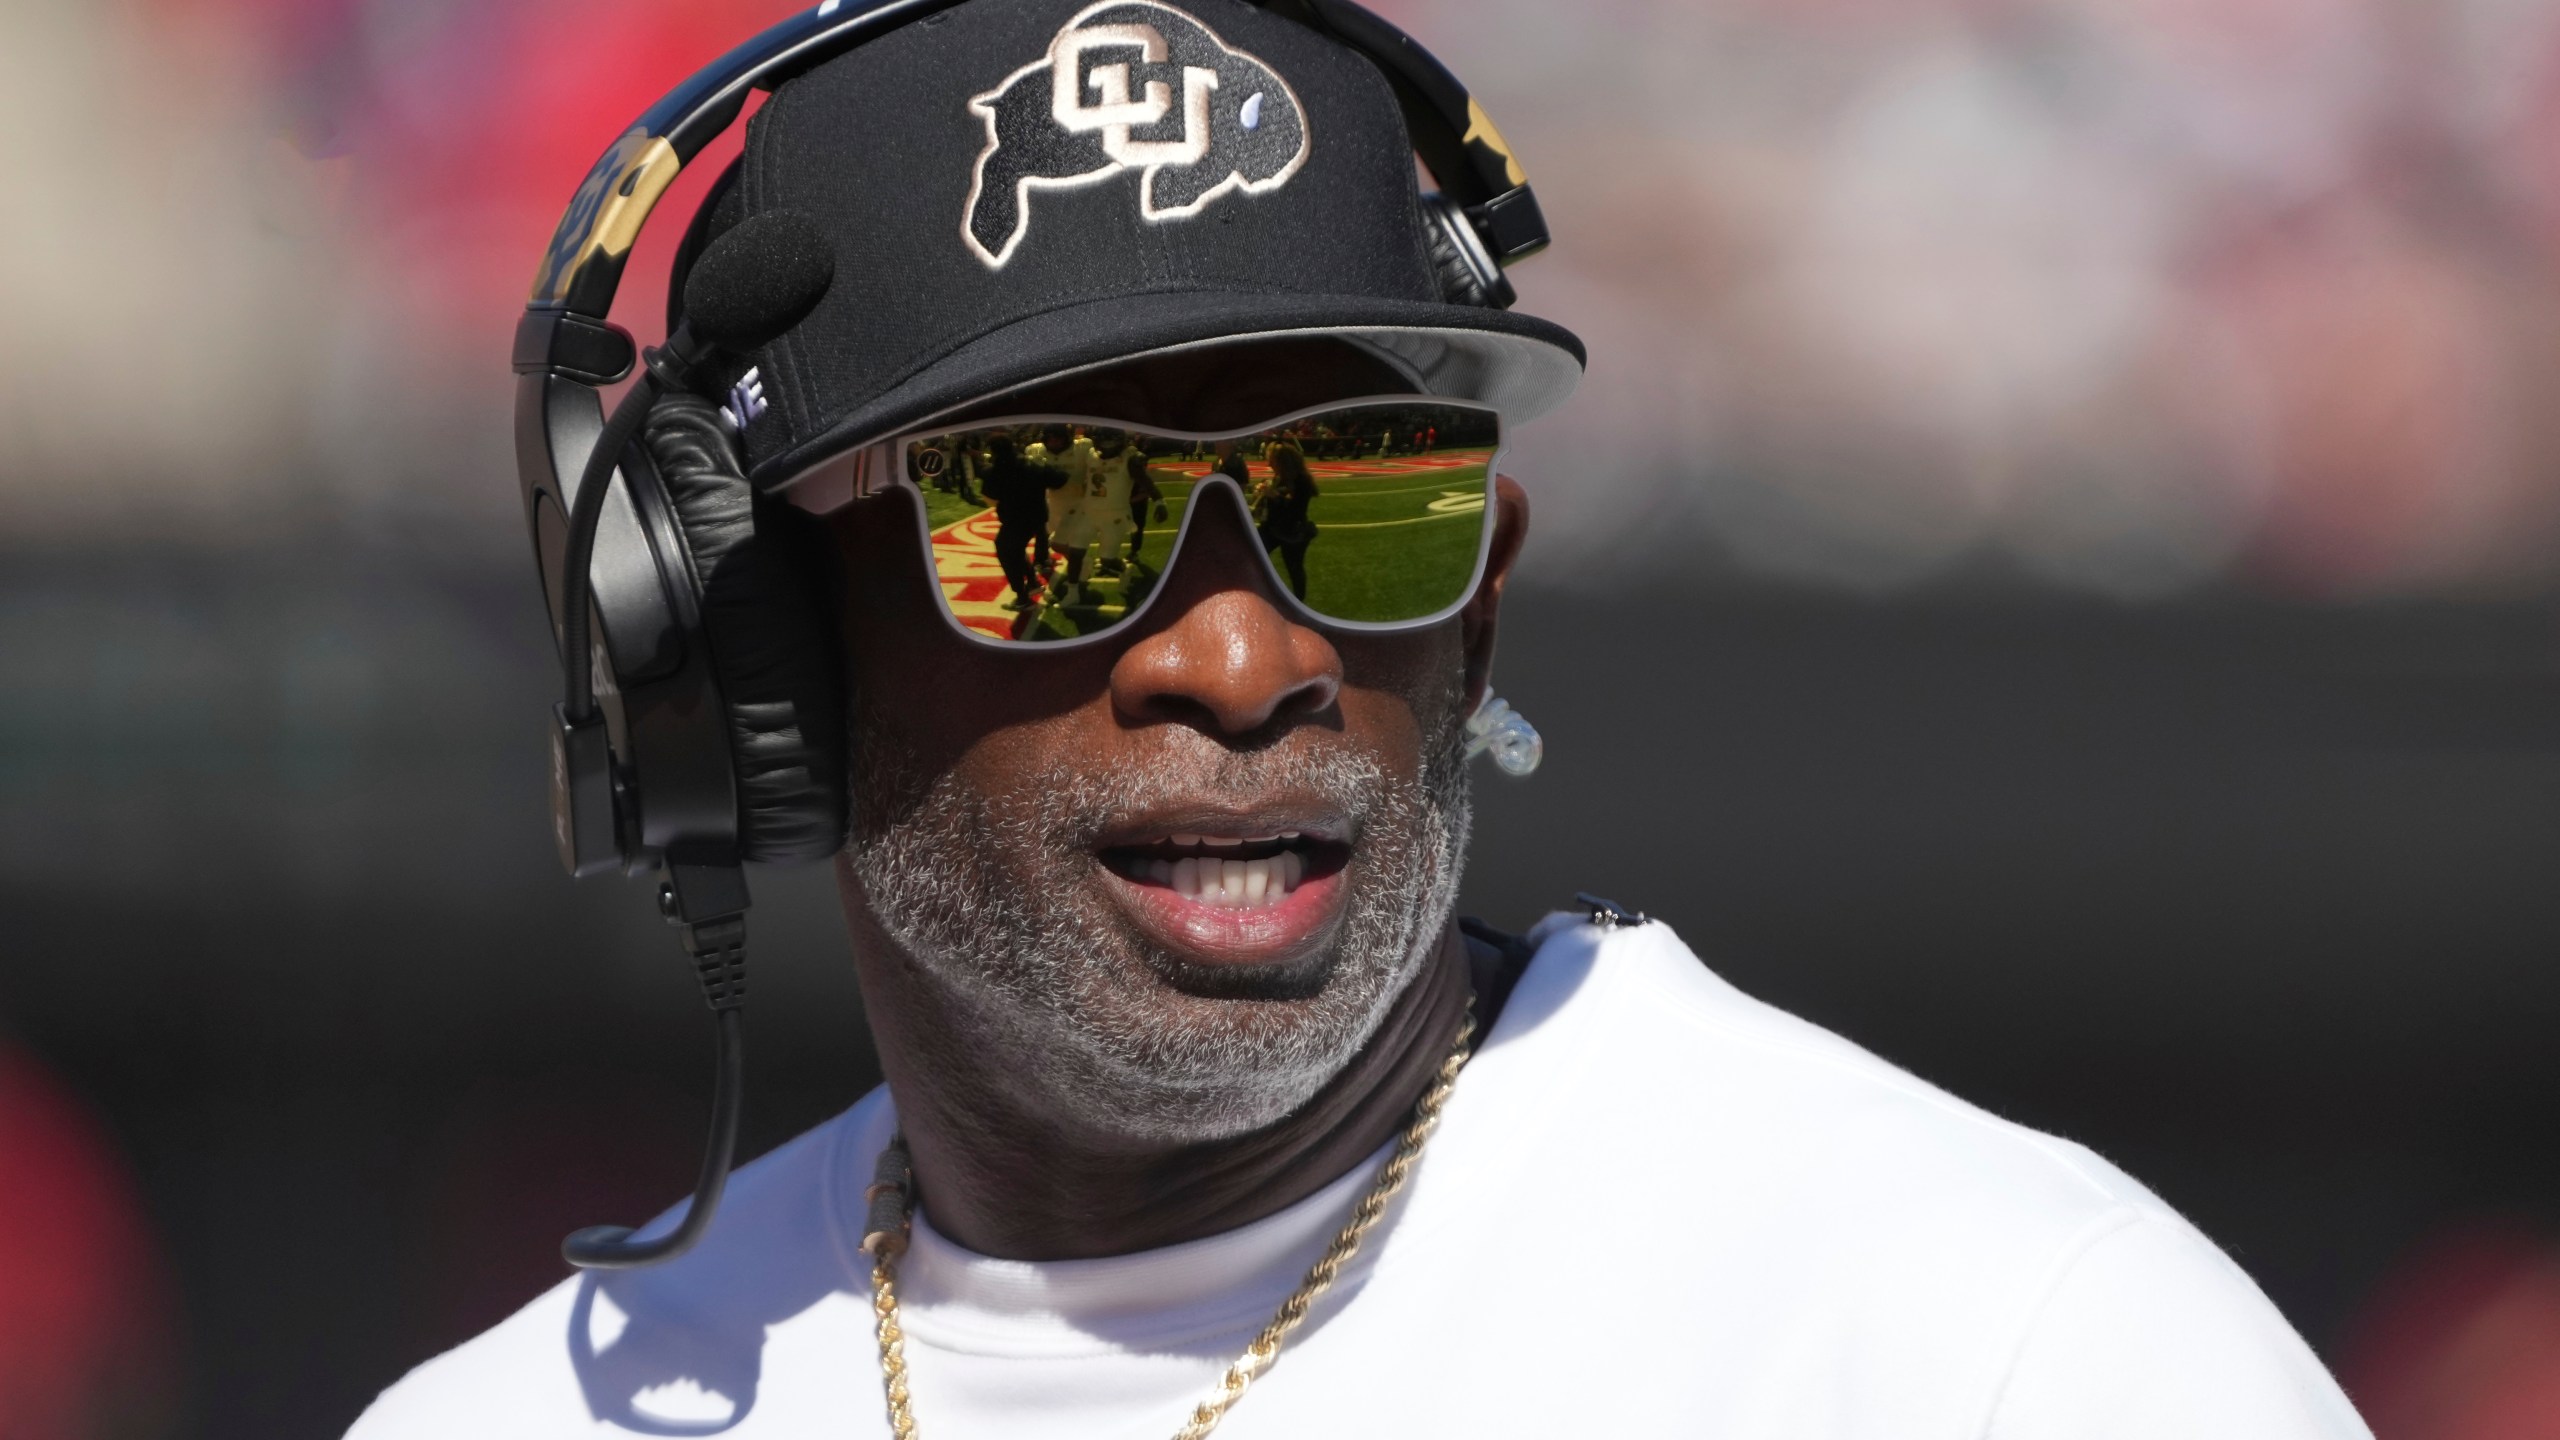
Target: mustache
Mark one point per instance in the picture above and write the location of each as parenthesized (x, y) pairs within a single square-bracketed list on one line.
[(1085, 797), (1086, 800), (994, 894)]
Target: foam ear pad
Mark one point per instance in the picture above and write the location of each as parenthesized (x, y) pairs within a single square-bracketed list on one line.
[(761, 568)]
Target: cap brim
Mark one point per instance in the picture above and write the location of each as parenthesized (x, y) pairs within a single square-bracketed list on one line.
[(1520, 365)]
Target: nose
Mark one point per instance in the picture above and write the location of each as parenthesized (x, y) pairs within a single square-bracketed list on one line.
[(1220, 652)]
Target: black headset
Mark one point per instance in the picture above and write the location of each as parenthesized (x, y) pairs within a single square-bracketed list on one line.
[(703, 725)]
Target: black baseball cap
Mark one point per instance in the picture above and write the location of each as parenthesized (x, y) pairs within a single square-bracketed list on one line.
[(1017, 189)]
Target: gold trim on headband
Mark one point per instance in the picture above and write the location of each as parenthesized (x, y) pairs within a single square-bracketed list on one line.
[(1480, 131), (606, 215)]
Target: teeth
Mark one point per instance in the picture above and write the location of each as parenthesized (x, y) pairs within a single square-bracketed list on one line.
[(1231, 884), (1213, 879)]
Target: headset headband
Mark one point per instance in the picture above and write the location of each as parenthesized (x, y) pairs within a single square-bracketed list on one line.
[(583, 267)]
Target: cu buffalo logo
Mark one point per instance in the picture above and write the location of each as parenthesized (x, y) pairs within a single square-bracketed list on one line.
[(1130, 86)]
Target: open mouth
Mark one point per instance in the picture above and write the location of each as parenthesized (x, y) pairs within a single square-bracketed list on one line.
[(1229, 872)]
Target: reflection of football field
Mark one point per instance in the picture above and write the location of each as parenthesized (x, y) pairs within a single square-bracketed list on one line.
[(964, 557), (1395, 538)]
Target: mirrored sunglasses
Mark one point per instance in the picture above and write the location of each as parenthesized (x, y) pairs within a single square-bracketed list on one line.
[(1047, 530)]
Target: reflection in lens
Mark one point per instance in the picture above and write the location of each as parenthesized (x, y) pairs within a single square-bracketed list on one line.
[(1046, 531)]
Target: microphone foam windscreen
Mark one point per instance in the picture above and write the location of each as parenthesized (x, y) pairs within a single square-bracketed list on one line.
[(759, 278)]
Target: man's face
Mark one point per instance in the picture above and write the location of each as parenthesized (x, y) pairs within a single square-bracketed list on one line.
[(1177, 877)]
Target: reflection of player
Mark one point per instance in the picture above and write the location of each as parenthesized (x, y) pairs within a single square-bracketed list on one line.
[(1283, 502), (1143, 492), (1049, 456), (1021, 495), (1096, 508)]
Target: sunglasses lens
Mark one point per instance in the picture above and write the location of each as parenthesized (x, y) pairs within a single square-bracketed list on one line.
[(1371, 514)]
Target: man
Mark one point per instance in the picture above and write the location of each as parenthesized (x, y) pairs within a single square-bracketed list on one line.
[(1144, 495), (1041, 453), (1110, 512), (1087, 511), (1286, 530), (1201, 1111), (1020, 492)]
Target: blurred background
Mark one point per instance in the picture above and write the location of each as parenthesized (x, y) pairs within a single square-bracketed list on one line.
[(2055, 573)]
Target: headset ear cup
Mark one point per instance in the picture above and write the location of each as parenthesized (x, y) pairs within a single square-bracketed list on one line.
[(765, 613), (1468, 274)]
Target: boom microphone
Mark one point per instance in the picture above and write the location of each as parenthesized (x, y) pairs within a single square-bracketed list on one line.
[(760, 278)]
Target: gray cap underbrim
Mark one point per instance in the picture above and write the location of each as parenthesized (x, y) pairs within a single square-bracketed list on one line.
[(1518, 364)]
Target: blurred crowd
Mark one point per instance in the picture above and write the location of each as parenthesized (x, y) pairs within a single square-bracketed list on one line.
[(2134, 294), (2131, 296)]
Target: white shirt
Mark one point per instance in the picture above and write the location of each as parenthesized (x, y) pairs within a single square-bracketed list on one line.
[(1078, 461), (1655, 1207)]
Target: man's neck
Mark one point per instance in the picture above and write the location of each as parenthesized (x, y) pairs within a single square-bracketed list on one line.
[(1012, 1185)]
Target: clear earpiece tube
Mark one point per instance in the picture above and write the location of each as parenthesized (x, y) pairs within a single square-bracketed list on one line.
[(1506, 734)]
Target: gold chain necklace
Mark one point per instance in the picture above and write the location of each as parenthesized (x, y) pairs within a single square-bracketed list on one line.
[(892, 1222)]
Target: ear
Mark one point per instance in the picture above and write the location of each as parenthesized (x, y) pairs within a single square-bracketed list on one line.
[(1477, 621)]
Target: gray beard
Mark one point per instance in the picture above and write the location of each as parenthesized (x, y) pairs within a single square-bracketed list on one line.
[(998, 900)]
